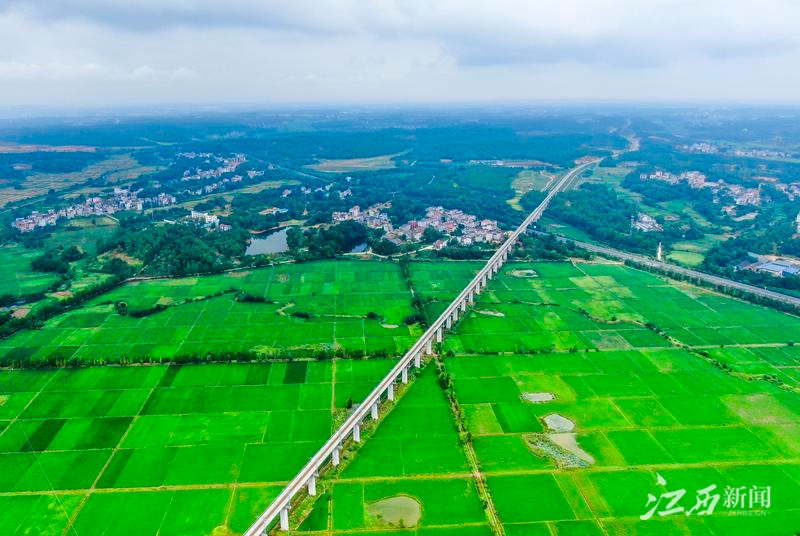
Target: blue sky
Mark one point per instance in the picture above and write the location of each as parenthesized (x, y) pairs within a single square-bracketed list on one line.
[(257, 52)]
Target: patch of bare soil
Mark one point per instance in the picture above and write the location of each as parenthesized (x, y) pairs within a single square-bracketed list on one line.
[(490, 313), (538, 398), (523, 273), (569, 442)]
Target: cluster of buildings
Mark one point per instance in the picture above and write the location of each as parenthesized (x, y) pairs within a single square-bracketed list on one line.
[(209, 221), (192, 155), (124, 199), (792, 190), (120, 200), (710, 148), (699, 148), (696, 179), (744, 196), (224, 165), (322, 189), (448, 222), (773, 266), (373, 217), (209, 188), (760, 153), (465, 228)]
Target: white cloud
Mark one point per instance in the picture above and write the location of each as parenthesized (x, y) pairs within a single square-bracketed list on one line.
[(86, 71), (248, 51)]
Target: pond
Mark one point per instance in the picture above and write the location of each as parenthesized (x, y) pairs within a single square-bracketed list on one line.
[(274, 243)]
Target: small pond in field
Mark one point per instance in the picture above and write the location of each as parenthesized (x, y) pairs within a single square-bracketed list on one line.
[(274, 243), (399, 511)]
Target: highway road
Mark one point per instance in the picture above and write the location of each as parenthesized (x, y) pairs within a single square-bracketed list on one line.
[(667, 267)]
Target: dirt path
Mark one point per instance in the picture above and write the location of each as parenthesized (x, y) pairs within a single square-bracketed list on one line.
[(88, 492), (480, 482)]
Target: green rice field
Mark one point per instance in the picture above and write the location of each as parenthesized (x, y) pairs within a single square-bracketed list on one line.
[(180, 450), (16, 276), (668, 387), (438, 283), (638, 414), (201, 315), (564, 307), (663, 386), (415, 453)]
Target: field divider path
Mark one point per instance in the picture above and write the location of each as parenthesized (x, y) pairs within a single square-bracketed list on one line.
[(330, 451), (474, 463), (28, 441), (88, 492)]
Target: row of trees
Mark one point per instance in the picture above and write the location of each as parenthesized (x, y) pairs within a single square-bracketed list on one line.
[(54, 306), (21, 358)]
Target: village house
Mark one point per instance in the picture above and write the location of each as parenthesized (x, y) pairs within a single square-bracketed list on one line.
[(647, 224)]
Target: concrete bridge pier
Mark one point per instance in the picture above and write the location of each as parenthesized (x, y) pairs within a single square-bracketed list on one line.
[(331, 452)]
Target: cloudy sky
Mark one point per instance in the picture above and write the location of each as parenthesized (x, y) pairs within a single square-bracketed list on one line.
[(63, 53)]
